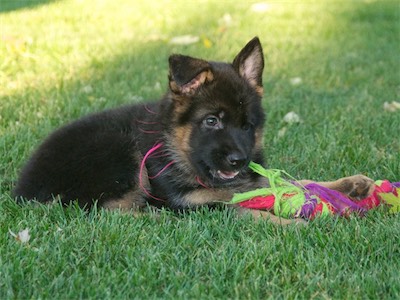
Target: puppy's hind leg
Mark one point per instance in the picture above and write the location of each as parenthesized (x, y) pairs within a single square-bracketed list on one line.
[(134, 200), (130, 201)]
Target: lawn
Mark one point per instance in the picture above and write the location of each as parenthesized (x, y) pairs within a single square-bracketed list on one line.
[(334, 63)]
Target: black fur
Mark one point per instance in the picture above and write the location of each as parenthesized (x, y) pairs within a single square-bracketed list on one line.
[(209, 124)]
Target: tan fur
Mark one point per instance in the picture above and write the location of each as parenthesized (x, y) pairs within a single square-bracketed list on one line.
[(259, 90), (179, 150), (190, 87), (131, 201), (266, 215), (209, 76), (174, 86), (259, 137), (205, 196), (181, 105), (181, 138)]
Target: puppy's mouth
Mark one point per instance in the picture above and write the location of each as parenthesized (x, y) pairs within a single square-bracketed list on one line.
[(224, 175)]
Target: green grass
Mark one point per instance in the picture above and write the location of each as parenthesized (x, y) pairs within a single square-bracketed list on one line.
[(63, 59)]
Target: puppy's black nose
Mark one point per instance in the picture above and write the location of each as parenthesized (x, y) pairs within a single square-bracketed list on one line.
[(236, 159)]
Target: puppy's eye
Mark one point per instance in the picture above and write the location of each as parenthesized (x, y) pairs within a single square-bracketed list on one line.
[(211, 122), (247, 126)]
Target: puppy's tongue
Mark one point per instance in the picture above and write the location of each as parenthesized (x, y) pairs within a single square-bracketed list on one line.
[(227, 175)]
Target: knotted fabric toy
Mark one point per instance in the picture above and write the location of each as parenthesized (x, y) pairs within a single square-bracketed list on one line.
[(289, 199)]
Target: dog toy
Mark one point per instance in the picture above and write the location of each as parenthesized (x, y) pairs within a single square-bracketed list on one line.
[(290, 199)]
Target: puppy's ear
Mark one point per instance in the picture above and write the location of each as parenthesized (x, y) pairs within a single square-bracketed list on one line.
[(249, 63), (187, 74)]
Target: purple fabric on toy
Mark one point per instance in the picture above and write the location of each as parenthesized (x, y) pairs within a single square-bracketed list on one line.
[(308, 207), (396, 184), (340, 203)]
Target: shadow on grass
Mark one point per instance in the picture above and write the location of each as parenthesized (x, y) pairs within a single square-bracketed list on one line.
[(10, 5)]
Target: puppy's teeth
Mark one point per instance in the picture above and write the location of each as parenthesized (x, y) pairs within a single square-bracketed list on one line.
[(227, 175)]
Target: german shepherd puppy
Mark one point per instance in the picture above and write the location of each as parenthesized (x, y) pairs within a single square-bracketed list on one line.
[(190, 148)]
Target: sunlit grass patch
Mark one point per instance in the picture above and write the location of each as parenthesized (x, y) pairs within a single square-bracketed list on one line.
[(332, 63)]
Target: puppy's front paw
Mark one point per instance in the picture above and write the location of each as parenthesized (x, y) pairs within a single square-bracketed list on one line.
[(266, 215), (357, 187)]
